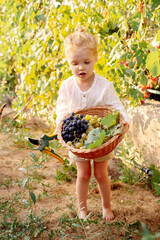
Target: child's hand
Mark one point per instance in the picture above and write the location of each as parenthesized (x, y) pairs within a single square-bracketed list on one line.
[(126, 125)]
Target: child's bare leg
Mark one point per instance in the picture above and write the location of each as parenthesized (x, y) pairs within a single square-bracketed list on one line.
[(101, 175), (83, 178)]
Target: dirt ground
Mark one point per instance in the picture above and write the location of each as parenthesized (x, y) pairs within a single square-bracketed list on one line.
[(131, 204)]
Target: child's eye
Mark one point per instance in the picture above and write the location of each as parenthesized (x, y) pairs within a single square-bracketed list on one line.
[(74, 63), (87, 62)]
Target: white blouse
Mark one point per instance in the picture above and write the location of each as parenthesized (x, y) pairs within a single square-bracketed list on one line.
[(71, 98)]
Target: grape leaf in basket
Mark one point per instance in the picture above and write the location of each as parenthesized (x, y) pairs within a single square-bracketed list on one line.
[(110, 120), (95, 138), (113, 131)]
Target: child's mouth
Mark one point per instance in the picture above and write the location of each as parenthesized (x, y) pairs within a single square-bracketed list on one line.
[(82, 74)]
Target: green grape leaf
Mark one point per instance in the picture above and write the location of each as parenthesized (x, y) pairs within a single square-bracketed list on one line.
[(95, 138), (113, 131), (155, 3), (135, 25), (33, 197), (141, 57), (143, 79), (40, 17), (158, 36), (152, 63), (155, 181), (157, 188), (143, 44), (136, 94), (129, 72), (110, 120)]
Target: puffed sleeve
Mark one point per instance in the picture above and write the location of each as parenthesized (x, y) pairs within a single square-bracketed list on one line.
[(62, 107), (112, 99)]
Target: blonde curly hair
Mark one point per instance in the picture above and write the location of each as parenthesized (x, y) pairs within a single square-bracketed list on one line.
[(80, 38)]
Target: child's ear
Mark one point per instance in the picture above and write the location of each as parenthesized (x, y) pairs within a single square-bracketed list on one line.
[(96, 58)]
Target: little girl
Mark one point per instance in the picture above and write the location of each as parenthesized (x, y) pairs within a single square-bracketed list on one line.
[(86, 89)]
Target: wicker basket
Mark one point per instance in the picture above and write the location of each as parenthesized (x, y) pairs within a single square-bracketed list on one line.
[(105, 148)]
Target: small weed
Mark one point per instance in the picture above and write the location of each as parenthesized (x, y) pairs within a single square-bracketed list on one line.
[(30, 227), (51, 235), (96, 228), (131, 228), (7, 182), (146, 234), (130, 169), (13, 228), (67, 172)]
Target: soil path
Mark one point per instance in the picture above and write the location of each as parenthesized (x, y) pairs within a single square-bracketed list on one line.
[(130, 203)]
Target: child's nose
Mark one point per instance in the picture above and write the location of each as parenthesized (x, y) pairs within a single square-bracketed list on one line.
[(81, 66)]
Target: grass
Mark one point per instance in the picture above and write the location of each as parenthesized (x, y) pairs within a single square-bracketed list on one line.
[(11, 227), (20, 218), (34, 226)]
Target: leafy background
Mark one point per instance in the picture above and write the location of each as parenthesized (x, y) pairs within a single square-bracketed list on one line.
[(33, 65)]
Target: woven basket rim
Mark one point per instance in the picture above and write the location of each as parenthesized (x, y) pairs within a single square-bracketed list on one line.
[(92, 150)]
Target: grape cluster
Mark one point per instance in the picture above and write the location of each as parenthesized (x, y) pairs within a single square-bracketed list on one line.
[(73, 128)]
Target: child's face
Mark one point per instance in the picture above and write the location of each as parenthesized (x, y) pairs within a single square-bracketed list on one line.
[(82, 61)]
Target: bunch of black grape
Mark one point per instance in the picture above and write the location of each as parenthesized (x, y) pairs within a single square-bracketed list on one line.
[(73, 128)]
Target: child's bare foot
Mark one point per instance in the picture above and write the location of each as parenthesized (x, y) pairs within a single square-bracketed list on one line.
[(82, 214), (108, 214)]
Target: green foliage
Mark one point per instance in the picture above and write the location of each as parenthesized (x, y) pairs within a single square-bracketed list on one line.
[(131, 173), (110, 120), (81, 228), (131, 162), (155, 180), (113, 131), (32, 52), (92, 228), (128, 175), (33, 197), (13, 228), (109, 129), (153, 63), (67, 172), (95, 138), (33, 226), (146, 234)]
